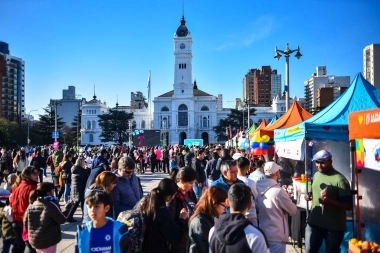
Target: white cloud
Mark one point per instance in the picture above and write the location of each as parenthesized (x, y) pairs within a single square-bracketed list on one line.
[(259, 29)]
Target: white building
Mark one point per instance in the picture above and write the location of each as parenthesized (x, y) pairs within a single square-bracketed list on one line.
[(90, 130), (320, 79), (371, 64), (186, 112)]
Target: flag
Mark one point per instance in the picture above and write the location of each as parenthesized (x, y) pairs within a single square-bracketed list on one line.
[(148, 86)]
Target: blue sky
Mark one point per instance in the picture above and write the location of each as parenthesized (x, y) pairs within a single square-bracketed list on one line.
[(115, 43)]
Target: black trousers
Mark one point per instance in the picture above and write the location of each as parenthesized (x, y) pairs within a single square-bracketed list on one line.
[(74, 208), (19, 245)]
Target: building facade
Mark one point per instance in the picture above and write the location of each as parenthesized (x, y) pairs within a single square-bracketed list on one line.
[(320, 79), (371, 64), (68, 107), (186, 112), (12, 83), (326, 95), (90, 130), (260, 86)]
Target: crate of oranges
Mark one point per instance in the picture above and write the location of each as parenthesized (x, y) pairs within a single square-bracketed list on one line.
[(359, 246)]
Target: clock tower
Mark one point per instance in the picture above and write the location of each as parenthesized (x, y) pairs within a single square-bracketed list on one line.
[(183, 56)]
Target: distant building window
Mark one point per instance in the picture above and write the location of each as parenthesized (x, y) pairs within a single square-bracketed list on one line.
[(204, 122), (88, 124), (204, 108), (143, 124), (93, 124), (182, 115), (91, 138), (164, 109)]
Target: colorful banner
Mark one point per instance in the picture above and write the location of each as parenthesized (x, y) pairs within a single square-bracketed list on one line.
[(368, 153), (291, 149)]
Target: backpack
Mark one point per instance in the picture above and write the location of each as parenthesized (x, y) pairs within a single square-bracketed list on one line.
[(136, 223)]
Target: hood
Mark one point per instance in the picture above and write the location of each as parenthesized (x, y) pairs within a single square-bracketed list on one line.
[(229, 227), (264, 185)]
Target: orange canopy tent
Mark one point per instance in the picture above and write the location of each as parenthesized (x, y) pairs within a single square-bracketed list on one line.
[(262, 125), (296, 114), (364, 124)]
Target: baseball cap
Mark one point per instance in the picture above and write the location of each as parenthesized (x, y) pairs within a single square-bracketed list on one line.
[(271, 167), (322, 156)]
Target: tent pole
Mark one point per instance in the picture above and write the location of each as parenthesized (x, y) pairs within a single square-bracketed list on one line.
[(354, 191), (307, 173)]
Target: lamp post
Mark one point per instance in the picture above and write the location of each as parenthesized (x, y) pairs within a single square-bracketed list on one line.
[(55, 103), (28, 140), (79, 114), (287, 52)]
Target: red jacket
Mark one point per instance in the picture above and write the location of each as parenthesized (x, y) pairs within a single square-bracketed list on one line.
[(19, 200)]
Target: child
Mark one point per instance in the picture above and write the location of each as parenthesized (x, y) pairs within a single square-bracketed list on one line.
[(232, 231), (7, 232), (101, 234), (173, 163), (43, 219)]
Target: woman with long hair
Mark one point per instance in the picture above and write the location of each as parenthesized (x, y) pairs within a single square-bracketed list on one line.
[(105, 181), (19, 201), (20, 161), (161, 229), (43, 219), (185, 178), (210, 205), (78, 186)]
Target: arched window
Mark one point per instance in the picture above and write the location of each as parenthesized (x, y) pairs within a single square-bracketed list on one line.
[(204, 122), (204, 108), (134, 123), (164, 123), (91, 138), (93, 124), (143, 124), (182, 115), (88, 124), (164, 109)]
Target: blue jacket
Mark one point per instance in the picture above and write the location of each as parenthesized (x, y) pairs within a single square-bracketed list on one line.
[(126, 193), (98, 160), (222, 184), (120, 243)]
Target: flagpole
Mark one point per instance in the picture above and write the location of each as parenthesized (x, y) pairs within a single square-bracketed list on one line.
[(149, 102)]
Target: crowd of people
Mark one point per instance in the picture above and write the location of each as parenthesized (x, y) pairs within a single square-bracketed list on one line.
[(214, 199)]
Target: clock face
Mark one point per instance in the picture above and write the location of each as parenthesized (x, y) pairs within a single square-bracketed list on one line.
[(182, 46)]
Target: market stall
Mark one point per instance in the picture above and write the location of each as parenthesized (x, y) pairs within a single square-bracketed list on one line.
[(364, 134)]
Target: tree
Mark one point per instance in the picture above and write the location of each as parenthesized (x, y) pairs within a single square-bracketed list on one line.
[(233, 120), (74, 134), (46, 125), (9, 133), (115, 126)]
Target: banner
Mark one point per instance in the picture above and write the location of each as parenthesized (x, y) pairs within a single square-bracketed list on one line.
[(291, 149), (371, 150)]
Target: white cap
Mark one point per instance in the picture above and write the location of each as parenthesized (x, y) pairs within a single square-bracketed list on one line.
[(271, 167)]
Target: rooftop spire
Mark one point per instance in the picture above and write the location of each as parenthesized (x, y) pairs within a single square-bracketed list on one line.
[(94, 93)]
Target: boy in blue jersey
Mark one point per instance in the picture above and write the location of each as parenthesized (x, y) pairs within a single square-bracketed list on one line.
[(101, 234)]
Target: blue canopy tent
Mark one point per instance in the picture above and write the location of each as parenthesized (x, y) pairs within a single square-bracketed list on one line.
[(328, 129), (274, 119), (332, 122)]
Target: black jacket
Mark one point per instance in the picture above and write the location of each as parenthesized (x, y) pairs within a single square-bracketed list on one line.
[(163, 231), (40, 160), (93, 174), (199, 167), (229, 235), (198, 232), (66, 172), (78, 182), (211, 171)]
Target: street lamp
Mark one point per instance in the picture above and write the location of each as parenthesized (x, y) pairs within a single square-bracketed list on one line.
[(55, 103), (28, 140), (287, 52)]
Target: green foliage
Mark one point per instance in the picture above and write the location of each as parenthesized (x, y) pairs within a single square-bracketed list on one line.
[(9, 133), (114, 126), (233, 120), (46, 126)]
